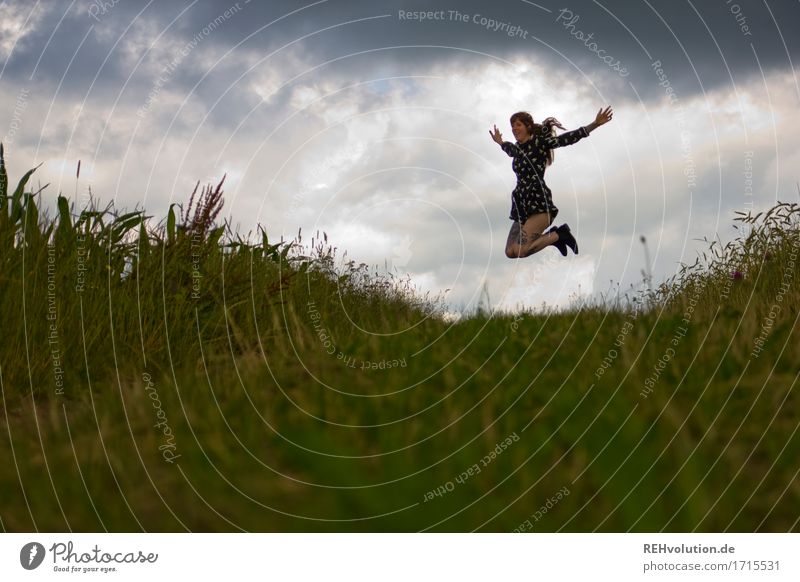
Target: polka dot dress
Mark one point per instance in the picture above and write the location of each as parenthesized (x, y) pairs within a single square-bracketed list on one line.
[(532, 195)]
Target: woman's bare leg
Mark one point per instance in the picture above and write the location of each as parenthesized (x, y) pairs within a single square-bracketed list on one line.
[(525, 240)]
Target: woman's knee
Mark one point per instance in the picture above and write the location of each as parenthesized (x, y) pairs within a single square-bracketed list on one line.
[(512, 251)]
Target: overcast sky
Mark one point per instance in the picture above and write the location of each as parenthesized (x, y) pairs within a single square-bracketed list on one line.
[(364, 121)]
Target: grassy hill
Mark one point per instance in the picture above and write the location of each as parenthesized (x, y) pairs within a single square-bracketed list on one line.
[(174, 376)]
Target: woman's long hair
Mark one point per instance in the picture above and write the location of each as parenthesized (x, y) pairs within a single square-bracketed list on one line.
[(534, 129)]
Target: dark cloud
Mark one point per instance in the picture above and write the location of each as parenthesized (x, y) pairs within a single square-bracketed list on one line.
[(700, 45)]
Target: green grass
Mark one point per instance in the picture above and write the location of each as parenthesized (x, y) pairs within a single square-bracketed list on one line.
[(270, 432)]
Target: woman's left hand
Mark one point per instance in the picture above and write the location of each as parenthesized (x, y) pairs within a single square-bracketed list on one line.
[(603, 116)]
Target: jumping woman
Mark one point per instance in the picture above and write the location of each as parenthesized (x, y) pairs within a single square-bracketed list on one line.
[(532, 208)]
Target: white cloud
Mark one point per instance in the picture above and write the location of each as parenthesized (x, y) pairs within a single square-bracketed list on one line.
[(549, 279), (404, 170), (17, 21)]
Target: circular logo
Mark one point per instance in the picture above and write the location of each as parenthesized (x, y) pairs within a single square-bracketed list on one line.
[(31, 555)]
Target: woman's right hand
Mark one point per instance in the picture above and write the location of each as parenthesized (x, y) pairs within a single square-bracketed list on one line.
[(496, 136)]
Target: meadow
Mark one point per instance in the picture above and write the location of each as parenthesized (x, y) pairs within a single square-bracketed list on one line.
[(178, 376)]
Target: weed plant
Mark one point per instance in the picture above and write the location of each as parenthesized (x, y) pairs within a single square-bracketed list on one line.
[(178, 376)]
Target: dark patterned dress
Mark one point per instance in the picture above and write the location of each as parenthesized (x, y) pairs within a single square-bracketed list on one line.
[(531, 194)]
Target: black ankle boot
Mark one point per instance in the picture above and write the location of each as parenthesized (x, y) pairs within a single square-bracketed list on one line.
[(565, 238), (560, 244)]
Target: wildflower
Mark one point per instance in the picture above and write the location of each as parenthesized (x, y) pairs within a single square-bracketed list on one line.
[(736, 275)]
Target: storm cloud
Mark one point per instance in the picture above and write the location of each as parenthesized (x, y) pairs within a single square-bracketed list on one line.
[(369, 120)]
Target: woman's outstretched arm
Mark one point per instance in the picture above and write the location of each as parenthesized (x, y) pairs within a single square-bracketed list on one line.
[(603, 117), (565, 139), (569, 138), (508, 147)]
